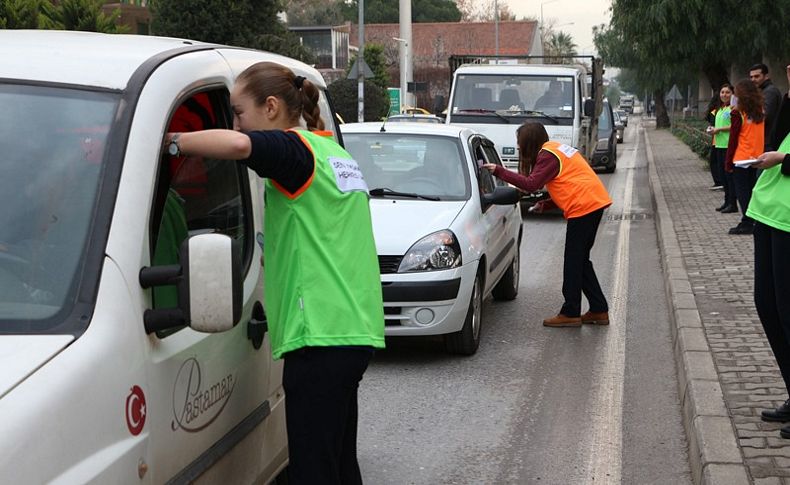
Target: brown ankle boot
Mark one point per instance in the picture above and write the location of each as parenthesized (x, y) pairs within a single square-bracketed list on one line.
[(598, 318), (562, 321)]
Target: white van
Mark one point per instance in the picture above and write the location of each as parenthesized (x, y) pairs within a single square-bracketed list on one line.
[(133, 339)]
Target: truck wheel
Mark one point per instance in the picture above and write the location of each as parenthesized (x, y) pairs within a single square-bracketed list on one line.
[(466, 341), (610, 168), (507, 288)]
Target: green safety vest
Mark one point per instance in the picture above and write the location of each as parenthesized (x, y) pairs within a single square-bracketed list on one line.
[(722, 139), (770, 202), (323, 283)]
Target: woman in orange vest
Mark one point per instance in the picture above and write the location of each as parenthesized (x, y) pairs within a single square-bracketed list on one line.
[(747, 135), (577, 190)]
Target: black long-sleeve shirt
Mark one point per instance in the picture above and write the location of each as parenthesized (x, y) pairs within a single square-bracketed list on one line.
[(282, 157)]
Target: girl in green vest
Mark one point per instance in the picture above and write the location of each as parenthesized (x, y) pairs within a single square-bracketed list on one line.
[(720, 117), (323, 288)]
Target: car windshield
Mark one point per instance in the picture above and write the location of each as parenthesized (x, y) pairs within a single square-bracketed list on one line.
[(432, 166), (512, 95), (53, 149)]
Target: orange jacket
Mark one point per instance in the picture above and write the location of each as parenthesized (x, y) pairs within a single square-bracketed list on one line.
[(577, 189)]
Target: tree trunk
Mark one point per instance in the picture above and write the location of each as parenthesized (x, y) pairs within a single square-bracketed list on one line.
[(662, 118), (717, 76)]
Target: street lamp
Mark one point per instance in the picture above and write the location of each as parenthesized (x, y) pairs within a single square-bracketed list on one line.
[(541, 11), (403, 49)]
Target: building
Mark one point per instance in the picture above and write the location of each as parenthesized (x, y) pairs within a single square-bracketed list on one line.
[(434, 43), (134, 15)]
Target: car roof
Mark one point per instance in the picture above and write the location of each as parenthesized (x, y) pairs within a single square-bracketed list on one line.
[(90, 58), (435, 129)]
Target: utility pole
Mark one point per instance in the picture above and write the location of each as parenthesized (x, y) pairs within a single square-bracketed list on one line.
[(496, 28), (360, 64), (407, 59)]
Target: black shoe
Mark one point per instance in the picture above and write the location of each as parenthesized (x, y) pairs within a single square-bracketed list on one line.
[(728, 209), (780, 414), (721, 207), (742, 229)]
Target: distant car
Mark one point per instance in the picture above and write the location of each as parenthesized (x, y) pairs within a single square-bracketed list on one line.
[(619, 127), (419, 118), (447, 232), (605, 154), (623, 116)]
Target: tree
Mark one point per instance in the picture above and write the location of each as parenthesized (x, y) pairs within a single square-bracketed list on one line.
[(345, 100), (377, 62), (86, 15), (21, 14), (314, 12), (386, 11), (244, 23), (475, 11), (560, 44)]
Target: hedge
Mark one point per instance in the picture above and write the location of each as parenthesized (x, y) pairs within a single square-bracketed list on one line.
[(692, 133)]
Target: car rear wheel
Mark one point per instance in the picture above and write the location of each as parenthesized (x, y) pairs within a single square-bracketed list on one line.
[(507, 288), (466, 341)]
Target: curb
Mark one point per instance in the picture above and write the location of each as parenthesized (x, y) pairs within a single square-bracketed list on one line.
[(714, 455)]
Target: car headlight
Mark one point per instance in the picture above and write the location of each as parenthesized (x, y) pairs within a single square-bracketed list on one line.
[(436, 251), (603, 144)]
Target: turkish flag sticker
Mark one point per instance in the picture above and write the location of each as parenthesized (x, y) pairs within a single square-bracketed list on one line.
[(135, 410)]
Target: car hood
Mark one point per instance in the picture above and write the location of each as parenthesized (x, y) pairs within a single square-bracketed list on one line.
[(22, 355), (399, 223)]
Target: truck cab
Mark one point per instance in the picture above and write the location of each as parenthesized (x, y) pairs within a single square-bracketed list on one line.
[(495, 99)]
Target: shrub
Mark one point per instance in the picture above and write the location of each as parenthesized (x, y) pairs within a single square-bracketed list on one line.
[(344, 99)]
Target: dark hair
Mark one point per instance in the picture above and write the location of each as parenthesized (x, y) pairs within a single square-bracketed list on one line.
[(265, 79), (530, 137), (762, 67), (750, 100), (719, 103)]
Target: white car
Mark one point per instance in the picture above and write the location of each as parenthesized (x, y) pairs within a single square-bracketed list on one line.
[(447, 232), (132, 332)]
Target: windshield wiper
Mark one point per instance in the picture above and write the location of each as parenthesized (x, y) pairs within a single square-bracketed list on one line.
[(484, 111), (539, 113), (380, 191)]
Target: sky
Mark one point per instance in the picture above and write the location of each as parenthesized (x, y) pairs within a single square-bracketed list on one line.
[(583, 13)]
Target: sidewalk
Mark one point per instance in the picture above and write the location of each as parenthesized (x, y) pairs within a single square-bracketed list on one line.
[(726, 371)]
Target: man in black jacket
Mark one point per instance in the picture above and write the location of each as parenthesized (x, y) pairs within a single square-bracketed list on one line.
[(758, 74)]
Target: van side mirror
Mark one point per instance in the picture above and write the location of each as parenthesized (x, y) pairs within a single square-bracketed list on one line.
[(589, 107), (209, 283)]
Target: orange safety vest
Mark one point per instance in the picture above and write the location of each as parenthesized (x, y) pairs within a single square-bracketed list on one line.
[(576, 189), (751, 140)]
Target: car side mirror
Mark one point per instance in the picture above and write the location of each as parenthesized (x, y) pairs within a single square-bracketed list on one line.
[(589, 107), (502, 196), (209, 283)]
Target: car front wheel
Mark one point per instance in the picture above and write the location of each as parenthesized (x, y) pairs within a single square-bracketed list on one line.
[(466, 341)]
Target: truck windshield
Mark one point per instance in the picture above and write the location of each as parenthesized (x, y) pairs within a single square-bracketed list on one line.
[(53, 149), (512, 95)]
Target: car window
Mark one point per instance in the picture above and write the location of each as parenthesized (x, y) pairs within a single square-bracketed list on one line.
[(197, 195), (605, 119), (427, 165), (492, 157), (51, 167)]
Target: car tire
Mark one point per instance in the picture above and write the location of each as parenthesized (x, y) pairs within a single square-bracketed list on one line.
[(466, 341), (507, 288), (610, 168)]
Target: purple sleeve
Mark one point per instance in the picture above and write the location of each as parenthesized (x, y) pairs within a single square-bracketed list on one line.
[(547, 166)]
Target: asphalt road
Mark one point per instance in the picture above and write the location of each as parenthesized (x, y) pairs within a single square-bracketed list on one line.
[(542, 405)]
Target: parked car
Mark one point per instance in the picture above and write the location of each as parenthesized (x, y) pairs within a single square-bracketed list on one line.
[(447, 232), (605, 155), (623, 116), (415, 117), (619, 127), (132, 331)]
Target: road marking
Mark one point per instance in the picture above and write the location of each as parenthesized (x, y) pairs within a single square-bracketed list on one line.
[(605, 454)]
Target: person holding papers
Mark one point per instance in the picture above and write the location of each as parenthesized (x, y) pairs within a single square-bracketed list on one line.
[(747, 137)]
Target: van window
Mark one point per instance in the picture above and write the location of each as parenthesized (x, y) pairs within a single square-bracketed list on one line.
[(51, 168), (197, 195)]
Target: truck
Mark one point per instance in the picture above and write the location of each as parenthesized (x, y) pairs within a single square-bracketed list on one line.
[(496, 94), (627, 103)]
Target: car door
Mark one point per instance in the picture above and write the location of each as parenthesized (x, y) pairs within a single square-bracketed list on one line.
[(201, 386), (496, 219)]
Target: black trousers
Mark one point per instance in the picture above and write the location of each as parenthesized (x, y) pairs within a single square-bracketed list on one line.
[(578, 275), (717, 160), (744, 178), (321, 412), (716, 166), (772, 291)]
